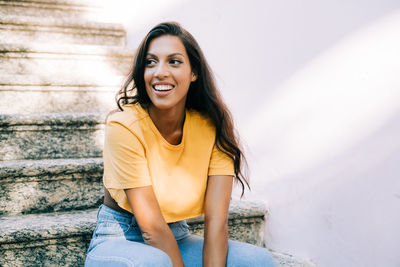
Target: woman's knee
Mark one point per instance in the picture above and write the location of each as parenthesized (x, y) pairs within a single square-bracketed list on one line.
[(159, 259), (107, 261), (243, 254), (156, 260), (127, 254)]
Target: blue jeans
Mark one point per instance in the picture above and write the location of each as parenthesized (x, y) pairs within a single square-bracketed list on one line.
[(117, 241)]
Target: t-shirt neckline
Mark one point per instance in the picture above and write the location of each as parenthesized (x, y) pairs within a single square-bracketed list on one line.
[(159, 135)]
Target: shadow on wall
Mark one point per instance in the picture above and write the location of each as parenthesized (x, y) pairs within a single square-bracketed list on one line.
[(335, 101), (326, 155), (324, 143), (255, 50)]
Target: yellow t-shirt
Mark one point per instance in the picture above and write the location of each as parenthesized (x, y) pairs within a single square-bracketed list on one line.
[(136, 154)]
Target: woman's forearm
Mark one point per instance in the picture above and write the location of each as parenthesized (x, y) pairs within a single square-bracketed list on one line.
[(155, 231), (164, 239), (216, 206), (215, 246)]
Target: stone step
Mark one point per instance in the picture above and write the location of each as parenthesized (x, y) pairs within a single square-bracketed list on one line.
[(51, 8), (65, 60), (56, 239), (24, 29), (287, 260), (37, 186), (51, 136), (61, 239), (27, 94)]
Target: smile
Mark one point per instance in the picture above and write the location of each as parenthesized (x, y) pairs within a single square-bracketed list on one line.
[(163, 87)]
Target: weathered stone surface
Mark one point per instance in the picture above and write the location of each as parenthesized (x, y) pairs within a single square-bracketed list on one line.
[(27, 94), (59, 252), (246, 222), (42, 101), (59, 239), (80, 82), (63, 238), (17, 29), (286, 260), (51, 136), (50, 8), (65, 61), (15, 230), (50, 185)]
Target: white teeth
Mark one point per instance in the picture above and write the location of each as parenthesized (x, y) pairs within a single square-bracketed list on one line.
[(163, 87)]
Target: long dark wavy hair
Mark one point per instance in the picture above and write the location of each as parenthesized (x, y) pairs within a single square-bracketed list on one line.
[(202, 96)]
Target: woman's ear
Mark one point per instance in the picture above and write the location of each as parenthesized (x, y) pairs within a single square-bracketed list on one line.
[(194, 77)]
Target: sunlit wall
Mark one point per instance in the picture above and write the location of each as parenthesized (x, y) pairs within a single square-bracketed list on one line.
[(314, 88)]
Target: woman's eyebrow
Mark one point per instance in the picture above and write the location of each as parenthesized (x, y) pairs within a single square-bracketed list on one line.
[(170, 55), (175, 54), (151, 55)]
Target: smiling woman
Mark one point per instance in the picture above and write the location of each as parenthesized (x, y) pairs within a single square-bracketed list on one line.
[(170, 154), (167, 76)]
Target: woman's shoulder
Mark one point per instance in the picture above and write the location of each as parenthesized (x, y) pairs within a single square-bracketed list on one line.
[(128, 117), (201, 122)]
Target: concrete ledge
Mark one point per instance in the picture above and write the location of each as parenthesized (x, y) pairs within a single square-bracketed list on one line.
[(50, 99), (26, 94), (17, 29), (49, 8), (246, 222), (46, 240), (50, 185), (67, 49), (62, 238), (22, 122), (33, 170), (65, 60), (64, 24), (63, 81), (51, 136), (286, 260)]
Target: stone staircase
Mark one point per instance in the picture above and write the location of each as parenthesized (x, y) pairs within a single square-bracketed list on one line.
[(59, 71)]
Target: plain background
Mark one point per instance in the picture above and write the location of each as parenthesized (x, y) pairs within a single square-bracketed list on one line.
[(314, 89)]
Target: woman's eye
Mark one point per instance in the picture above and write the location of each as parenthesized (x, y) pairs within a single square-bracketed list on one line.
[(175, 62), (150, 62)]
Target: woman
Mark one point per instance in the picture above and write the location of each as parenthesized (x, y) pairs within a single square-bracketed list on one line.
[(170, 154)]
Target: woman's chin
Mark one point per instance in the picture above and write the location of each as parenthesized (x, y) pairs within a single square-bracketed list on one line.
[(167, 104)]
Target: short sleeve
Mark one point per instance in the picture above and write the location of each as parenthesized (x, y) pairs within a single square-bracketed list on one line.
[(125, 164), (220, 163)]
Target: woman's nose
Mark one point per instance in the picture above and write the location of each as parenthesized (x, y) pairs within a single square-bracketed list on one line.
[(161, 71)]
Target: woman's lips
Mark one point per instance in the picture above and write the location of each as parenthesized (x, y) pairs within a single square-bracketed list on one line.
[(162, 89)]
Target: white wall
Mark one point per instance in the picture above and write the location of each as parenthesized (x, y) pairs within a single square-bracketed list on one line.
[(314, 88)]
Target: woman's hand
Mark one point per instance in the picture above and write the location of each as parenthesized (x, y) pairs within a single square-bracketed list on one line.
[(155, 230), (216, 205)]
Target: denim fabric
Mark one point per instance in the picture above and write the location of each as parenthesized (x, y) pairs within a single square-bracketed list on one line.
[(117, 241)]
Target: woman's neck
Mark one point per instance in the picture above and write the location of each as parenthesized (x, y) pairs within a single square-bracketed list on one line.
[(169, 123)]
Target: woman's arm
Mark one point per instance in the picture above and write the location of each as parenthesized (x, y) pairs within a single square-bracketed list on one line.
[(216, 205), (155, 230)]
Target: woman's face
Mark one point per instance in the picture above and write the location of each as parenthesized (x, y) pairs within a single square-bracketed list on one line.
[(167, 73)]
